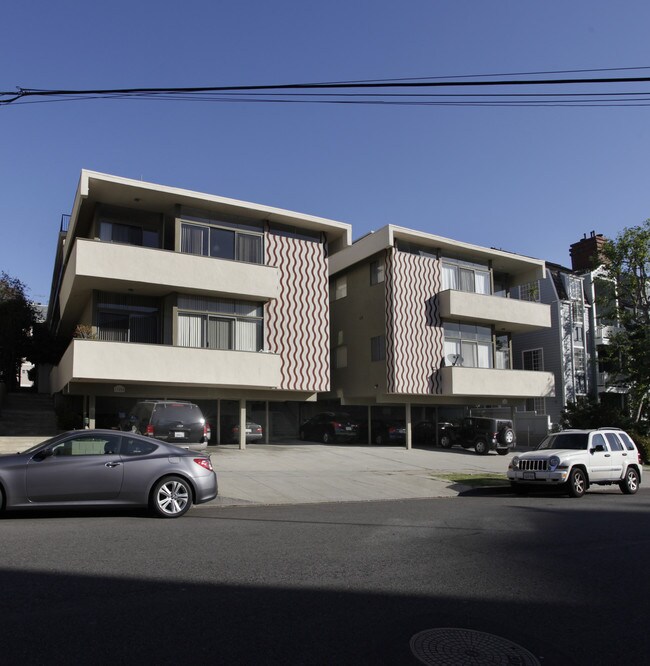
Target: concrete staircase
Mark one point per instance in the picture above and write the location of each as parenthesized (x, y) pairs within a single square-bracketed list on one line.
[(27, 414)]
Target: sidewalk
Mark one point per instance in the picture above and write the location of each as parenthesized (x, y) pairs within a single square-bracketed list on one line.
[(303, 473)]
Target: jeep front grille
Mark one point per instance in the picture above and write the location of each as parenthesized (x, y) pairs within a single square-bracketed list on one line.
[(533, 465)]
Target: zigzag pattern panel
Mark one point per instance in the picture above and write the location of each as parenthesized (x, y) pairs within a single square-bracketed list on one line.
[(297, 323), (416, 346)]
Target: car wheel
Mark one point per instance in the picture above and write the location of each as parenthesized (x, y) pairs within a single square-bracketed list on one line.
[(507, 436), (326, 438), (445, 442), (481, 447), (577, 483), (502, 452), (171, 497), (630, 484)]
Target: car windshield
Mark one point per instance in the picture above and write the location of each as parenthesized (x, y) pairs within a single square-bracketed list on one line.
[(47, 442), (566, 440)]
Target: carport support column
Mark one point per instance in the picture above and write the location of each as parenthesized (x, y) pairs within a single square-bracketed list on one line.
[(267, 423), (242, 424), (409, 429)]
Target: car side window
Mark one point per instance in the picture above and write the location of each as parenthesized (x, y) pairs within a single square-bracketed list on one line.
[(627, 441), (614, 442), (598, 440), (136, 447), (87, 445)]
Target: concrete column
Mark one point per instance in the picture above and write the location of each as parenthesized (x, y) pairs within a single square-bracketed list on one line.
[(242, 424), (91, 411), (409, 428), (267, 423), (217, 436), (369, 440)]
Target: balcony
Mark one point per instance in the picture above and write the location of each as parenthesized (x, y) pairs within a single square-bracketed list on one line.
[(151, 272), (487, 383), (605, 332), (505, 314), (97, 361)]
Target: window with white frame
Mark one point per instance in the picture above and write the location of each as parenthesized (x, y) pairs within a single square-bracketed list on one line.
[(377, 271), (537, 405), (221, 242), (580, 366), (461, 276), (339, 288), (212, 323), (468, 345), (533, 359)]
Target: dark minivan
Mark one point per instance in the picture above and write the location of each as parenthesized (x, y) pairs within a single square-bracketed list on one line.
[(174, 421)]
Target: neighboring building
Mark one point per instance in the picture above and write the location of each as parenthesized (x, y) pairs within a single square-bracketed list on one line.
[(422, 327), (587, 262), (167, 293), (562, 349)]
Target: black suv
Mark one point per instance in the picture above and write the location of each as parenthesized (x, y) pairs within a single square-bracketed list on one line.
[(483, 435), (173, 421)]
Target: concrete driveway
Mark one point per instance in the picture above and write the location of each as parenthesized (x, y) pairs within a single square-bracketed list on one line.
[(300, 473)]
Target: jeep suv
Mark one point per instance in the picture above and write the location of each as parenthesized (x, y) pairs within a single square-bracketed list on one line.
[(483, 435), (174, 421), (576, 459)]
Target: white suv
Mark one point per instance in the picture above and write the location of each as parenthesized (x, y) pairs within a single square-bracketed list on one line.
[(576, 459)]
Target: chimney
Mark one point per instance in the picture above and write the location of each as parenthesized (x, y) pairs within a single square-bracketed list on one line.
[(586, 254)]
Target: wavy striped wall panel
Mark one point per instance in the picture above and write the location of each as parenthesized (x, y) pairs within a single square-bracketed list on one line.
[(297, 323), (414, 336)]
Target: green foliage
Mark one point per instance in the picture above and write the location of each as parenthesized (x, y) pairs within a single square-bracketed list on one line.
[(17, 317), (627, 264), (586, 413)]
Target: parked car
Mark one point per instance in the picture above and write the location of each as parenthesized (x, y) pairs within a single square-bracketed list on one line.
[(329, 427), (173, 421), (485, 434), (575, 459), (424, 432), (230, 430), (382, 432), (87, 468)]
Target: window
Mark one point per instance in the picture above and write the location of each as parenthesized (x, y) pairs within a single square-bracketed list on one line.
[(222, 243), (87, 446), (529, 291), (614, 442), (465, 277), (579, 362), (212, 323), (341, 357), (339, 288), (378, 348), (537, 405), (468, 345), (502, 352), (127, 318), (533, 359), (117, 232), (377, 270)]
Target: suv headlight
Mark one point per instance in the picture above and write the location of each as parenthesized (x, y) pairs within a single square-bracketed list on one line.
[(514, 463), (553, 463)]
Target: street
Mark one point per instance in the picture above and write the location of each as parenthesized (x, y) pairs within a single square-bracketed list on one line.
[(338, 583)]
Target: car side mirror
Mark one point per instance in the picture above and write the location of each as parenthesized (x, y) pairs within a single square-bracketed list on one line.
[(599, 448), (43, 453)]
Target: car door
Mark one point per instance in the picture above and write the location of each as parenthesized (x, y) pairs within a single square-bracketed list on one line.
[(618, 455), (80, 468), (600, 458)]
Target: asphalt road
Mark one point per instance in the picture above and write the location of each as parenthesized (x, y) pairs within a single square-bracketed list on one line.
[(564, 579)]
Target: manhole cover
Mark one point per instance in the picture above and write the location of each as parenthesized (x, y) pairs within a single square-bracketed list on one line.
[(446, 647)]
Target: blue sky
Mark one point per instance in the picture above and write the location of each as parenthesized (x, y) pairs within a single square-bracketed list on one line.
[(529, 180)]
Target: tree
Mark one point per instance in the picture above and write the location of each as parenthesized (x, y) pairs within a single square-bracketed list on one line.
[(17, 317), (627, 264)]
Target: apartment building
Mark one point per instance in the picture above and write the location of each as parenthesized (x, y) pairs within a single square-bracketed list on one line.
[(422, 327), (161, 292), (562, 349)]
